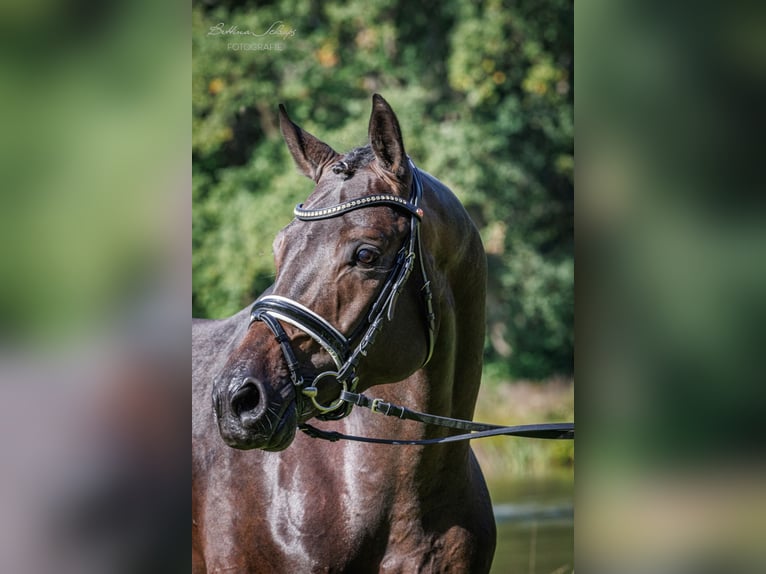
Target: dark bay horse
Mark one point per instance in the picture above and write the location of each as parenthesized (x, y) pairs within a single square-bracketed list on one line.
[(380, 282)]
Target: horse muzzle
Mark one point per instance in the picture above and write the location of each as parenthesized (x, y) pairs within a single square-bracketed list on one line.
[(250, 415)]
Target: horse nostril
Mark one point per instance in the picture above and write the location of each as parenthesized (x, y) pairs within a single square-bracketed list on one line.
[(247, 398)]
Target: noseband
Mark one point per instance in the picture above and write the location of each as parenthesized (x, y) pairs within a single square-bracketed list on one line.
[(274, 309)]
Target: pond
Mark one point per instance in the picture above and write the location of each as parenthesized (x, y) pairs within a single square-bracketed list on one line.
[(535, 525)]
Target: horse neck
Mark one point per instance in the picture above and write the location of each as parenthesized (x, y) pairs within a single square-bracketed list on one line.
[(458, 273), (416, 468)]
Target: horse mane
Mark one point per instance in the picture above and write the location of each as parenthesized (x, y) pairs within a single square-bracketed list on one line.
[(357, 158), (360, 157)]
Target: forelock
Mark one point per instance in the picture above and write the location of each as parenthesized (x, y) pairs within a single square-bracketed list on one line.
[(354, 160)]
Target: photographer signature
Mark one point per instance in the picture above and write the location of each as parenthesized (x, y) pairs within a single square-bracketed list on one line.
[(278, 28)]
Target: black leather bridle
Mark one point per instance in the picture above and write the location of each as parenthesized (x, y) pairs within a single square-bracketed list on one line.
[(275, 309)]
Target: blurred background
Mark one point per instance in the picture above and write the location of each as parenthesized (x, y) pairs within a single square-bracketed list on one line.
[(671, 227), (95, 286), (484, 95)]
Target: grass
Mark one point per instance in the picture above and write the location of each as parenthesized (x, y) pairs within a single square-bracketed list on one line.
[(523, 402)]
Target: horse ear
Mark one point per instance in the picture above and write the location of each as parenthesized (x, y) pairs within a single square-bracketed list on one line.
[(309, 153), (386, 137)]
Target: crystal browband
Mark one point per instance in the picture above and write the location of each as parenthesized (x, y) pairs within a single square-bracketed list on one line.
[(341, 208)]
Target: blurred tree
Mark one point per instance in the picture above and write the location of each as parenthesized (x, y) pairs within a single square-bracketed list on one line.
[(483, 91)]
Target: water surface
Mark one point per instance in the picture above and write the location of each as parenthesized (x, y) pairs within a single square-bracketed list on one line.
[(535, 525)]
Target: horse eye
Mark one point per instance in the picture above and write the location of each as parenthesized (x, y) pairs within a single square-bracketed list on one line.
[(366, 256)]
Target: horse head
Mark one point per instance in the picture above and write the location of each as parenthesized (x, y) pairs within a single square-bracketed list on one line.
[(346, 310)]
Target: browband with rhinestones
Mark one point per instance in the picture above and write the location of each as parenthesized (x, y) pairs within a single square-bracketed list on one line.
[(345, 207)]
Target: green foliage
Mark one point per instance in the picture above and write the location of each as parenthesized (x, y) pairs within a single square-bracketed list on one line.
[(537, 297), (484, 95)]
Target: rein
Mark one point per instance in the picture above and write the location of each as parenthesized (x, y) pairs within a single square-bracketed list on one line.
[(476, 429)]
